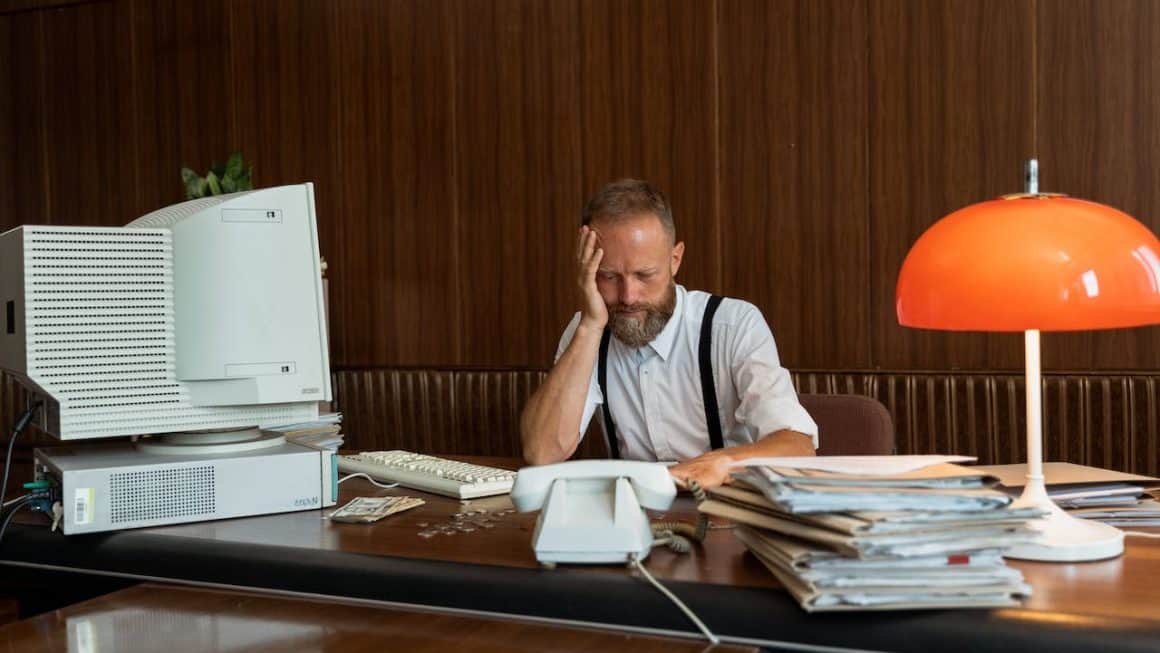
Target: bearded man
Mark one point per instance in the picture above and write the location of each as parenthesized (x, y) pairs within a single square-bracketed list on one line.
[(679, 375)]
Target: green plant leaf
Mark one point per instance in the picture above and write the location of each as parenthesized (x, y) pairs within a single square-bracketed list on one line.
[(212, 181), (217, 169), (244, 182), (193, 183), (234, 166), (229, 185), (196, 189)]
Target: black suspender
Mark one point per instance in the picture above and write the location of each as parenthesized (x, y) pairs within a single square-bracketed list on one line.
[(708, 386), (602, 379)]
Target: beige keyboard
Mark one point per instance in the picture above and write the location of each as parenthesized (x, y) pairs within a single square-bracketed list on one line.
[(430, 474)]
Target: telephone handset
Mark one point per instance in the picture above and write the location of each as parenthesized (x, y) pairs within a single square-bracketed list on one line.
[(592, 509)]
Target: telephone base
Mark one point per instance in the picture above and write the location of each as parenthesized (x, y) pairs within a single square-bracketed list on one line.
[(549, 559), (592, 521)]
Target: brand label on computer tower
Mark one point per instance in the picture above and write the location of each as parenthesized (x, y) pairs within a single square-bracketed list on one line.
[(83, 499)]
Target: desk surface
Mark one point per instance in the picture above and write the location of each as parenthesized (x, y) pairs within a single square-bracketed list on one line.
[(1109, 604), (152, 617)]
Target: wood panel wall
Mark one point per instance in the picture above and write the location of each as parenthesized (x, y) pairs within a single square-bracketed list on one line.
[(804, 145)]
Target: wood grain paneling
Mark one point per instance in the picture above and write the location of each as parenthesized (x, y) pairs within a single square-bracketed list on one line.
[(23, 194), (804, 147), (950, 125), (794, 208), (284, 81), (467, 411), (1103, 420), (648, 84), (87, 56), (394, 281), (517, 125), (183, 94), (1099, 132)]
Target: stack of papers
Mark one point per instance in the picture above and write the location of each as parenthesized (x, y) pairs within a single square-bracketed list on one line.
[(323, 433), (1115, 498), (925, 536), (1145, 512)]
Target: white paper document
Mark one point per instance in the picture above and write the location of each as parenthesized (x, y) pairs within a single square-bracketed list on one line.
[(856, 465)]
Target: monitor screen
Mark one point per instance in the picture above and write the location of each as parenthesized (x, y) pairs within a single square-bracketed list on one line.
[(203, 316)]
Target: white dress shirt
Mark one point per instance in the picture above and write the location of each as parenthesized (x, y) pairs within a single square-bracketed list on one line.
[(655, 390)]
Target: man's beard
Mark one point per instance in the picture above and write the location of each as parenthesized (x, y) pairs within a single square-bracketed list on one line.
[(639, 332)]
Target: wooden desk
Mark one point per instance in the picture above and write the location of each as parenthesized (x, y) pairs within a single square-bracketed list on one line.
[(1108, 605), (151, 617)]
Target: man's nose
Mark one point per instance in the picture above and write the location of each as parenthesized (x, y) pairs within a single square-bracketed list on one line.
[(629, 291)]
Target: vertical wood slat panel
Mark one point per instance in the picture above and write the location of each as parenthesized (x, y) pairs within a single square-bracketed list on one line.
[(477, 412), (182, 95), (947, 123), (88, 56), (23, 198), (649, 111), (440, 411), (1099, 420), (1105, 421), (950, 125), (1099, 131), (517, 120), (287, 112), (794, 197), (398, 409), (394, 282)]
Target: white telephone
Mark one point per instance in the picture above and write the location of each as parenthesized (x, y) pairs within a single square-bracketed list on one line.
[(592, 509)]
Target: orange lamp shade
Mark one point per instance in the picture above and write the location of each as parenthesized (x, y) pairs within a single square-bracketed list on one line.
[(1026, 262)]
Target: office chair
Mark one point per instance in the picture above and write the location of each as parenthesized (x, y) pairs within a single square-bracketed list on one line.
[(850, 425)]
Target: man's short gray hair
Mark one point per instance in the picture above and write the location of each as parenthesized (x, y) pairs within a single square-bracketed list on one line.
[(626, 198)]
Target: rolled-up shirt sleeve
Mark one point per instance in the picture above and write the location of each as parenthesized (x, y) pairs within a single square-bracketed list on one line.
[(594, 398), (767, 401)]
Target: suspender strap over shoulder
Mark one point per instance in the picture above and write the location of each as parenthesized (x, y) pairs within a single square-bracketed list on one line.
[(708, 387), (602, 380)]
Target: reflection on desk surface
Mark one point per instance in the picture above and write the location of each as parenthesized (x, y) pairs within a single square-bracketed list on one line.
[(506, 542), (1120, 587), (152, 617)]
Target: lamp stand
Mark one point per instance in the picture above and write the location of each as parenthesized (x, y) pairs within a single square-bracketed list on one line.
[(1063, 538)]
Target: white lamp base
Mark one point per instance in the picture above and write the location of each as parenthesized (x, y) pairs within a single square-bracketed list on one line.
[(1065, 538)]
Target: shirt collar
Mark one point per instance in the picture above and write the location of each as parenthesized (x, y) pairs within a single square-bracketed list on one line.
[(663, 343)]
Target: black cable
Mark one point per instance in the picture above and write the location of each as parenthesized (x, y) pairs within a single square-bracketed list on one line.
[(8, 519), (20, 425)]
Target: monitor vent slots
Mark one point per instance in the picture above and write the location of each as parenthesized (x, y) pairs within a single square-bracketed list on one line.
[(161, 494), (96, 319), (101, 330)]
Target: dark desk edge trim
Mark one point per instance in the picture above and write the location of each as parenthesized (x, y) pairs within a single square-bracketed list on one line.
[(563, 595)]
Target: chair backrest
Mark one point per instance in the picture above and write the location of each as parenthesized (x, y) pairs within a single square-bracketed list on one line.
[(850, 425)]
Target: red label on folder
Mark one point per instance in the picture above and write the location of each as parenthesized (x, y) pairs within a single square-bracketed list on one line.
[(961, 559)]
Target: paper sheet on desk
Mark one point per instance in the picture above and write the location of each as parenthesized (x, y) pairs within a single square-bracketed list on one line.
[(857, 465)]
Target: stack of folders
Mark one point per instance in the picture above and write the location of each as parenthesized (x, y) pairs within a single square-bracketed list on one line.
[(323, 433), (1113, 497), (928, 538), (1144, 512)]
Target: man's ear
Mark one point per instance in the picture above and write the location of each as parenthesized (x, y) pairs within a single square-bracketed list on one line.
[(678, 254)]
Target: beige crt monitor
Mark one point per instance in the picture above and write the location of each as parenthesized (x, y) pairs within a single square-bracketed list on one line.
[(204, 315), (202, 322)]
